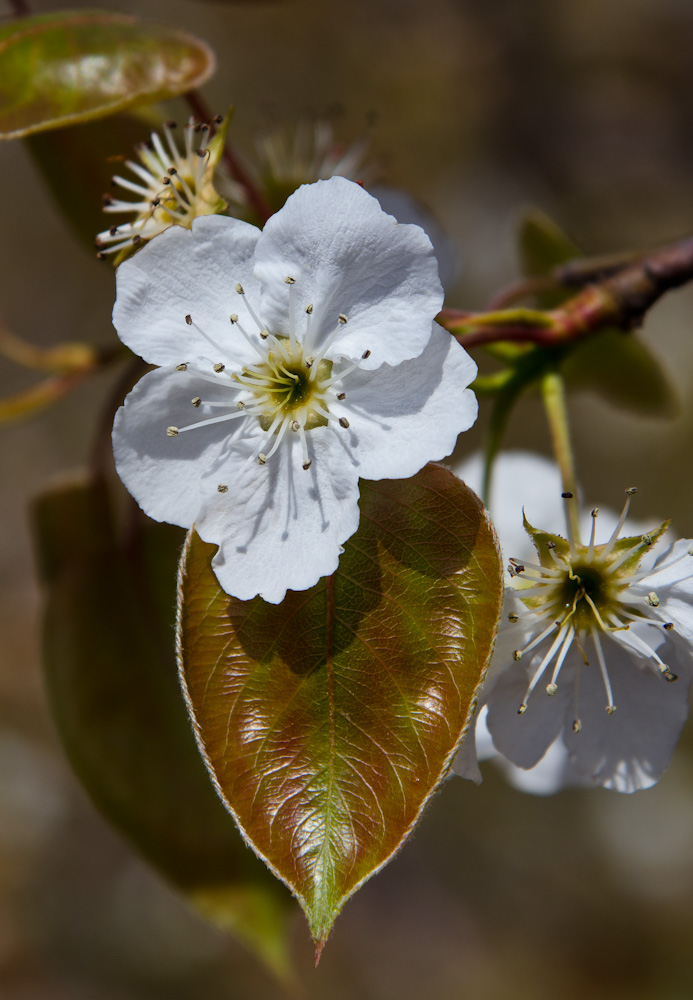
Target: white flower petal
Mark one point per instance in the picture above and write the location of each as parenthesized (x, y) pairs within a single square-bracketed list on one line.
[(630, 749), (186, 272), (167, 475), (282, 527), (407, 209), (404, 416), (524, 739), (520, 479), (349, 257)]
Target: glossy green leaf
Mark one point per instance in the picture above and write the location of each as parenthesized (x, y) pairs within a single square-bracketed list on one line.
[(328, 721), (111, 677), (68, 67)]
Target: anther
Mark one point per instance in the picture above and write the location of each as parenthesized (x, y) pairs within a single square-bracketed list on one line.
[(219, 367), (366, 354), (136, 239), (188, 319), (595, 512), (172, 171), (106, 199), (196, 401), (653, 599), (610, 709), (261, 459), (309, 309), (295, 425), (668, 676), (567, 496), (522, 709), (217, 120), (577, 726), (551, 689), (202, 153), (517, 655), (289, 280), (171, 124), (165, 180), (307, 465), (631, 491), (181, 368), (239, 288), (240, 405), (309, 362), (172, 432), (222, 488), (342, 319), (647, 539), (343, 422), (341, 395), (113, 231), (514, 618), (101, 255), (550, 544), (233, 318), (668, 626), (264, 334)]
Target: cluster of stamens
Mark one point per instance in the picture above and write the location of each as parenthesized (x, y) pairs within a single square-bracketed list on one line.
[(168, 185), (292, 388), (584, 591)]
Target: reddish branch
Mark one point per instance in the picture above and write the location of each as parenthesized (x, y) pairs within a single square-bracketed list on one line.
[(617, 295)]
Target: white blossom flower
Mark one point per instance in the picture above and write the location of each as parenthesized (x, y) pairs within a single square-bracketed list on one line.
[(595, 690), (309, 357), (171, 187)]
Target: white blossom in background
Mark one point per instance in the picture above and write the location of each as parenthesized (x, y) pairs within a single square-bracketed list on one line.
[(292, 362), (169, 186), (589, 683)]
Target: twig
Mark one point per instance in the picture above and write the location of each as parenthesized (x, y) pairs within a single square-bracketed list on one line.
[(621, 300)]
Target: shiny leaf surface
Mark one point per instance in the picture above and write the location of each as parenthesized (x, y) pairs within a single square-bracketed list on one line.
[(69, 67), (328, 721), (111, 677)]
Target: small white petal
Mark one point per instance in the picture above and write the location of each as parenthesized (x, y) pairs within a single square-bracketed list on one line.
[(185, 272), (284, 526), (404, 416), (350, 257)]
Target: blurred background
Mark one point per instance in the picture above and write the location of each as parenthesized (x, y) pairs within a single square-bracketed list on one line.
[(584, 109)]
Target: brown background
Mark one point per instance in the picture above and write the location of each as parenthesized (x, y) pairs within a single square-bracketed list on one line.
[(585, 109)]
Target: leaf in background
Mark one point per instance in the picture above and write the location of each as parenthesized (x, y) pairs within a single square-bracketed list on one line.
[(69, 67), (111, 676), (78, 162), (615, 364), (329, 720), (622, 369)]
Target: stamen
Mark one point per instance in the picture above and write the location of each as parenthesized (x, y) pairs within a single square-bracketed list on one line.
[(569, 525), (206, 423), (630, 492), (190, 322), (542, 666), (519, 653), (341, 320), (593, 532), (610, 707), (567, 642)]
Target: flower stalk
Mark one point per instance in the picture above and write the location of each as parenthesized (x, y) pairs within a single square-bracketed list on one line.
[(553, 395)]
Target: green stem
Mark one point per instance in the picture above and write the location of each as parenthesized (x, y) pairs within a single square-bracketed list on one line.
[(553, 394)]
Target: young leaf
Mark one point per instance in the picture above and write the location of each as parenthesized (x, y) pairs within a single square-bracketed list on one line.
[(328, 721), (69, 67), (111, 677)]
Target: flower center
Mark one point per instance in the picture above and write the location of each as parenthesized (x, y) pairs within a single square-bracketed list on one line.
[(290, 390), (285, 386), (578, 591)]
